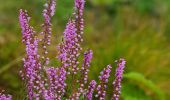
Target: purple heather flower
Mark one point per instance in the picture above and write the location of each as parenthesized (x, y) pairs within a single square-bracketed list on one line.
[(87, 59), (71, 54), (101, 88), (85, 67), (32, 66), (79, 5), (117, 82), (27, 30), (84, 71), (90, 90), (62, 55), (79, 8), (48, 12), (68, 49), (57, 77), (5, 97)]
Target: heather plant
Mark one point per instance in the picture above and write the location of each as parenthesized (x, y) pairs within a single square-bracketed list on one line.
[(47, 82)]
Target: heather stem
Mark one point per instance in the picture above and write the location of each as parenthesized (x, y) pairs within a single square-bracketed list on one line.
[(85, 69), (48, 12), (101, 88), (79, 24), (117, 82), (84, 75)]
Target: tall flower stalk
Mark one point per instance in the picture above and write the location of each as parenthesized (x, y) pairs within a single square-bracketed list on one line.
[(83, 76), (117, 82), (101, 88), (67, 49), (91, 88), (32, 66), (48, 12), (79, 8), (85, 69)]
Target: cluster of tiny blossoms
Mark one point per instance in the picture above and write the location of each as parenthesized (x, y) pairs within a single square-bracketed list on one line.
[(48, 12), (85, 67), (5, 97), (117, 82), (32, 66), (49, 83), (91, 89), (83, 75), (68, 51), (57, 84), (101, 88)]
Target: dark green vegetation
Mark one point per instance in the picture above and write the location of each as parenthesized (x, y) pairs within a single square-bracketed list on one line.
[(138, 30)]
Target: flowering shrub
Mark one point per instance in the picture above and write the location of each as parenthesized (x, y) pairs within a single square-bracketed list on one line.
[(49, 82)]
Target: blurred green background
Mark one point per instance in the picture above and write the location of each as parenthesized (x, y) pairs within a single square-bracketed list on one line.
[(138, 30)]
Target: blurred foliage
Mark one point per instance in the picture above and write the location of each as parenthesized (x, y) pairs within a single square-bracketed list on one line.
[(148, 86), (101, 2), (137, 30)]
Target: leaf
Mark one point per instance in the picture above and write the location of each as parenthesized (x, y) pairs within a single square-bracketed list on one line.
[(145, 84), (133, 92)]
